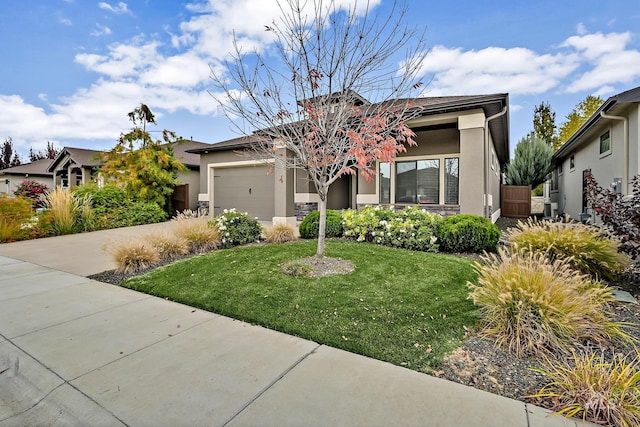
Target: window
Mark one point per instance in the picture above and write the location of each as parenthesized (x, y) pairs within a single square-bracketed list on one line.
[(385, 182), (451, 181), (572, 162), (605, 143), (418, 181), (423, 181)]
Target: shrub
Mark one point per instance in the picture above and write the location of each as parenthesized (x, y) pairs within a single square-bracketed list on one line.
[(412, 228), (359, 224), (468, 233), (237, 228), (199, 234), (132, 256), (311, 223), (620, 214), (112, 208), (14, 214), (141, 212), (169, 246), (595, 389), (534, 305), (586, 248), (33, 190), (280, 233)]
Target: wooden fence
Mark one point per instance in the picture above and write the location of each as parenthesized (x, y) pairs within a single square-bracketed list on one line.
[(515, 201), (180, 198)]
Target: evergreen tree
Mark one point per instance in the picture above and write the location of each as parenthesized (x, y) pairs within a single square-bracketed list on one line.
[(531, 163)]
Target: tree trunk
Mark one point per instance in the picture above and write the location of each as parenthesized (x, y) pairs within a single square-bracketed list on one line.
[(322, 226)]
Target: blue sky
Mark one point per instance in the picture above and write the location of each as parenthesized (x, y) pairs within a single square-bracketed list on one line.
[(73, 69)]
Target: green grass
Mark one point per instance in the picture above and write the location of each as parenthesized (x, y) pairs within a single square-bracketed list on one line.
[(407, 308)]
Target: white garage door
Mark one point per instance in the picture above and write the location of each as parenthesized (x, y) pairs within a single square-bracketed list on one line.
[(248, 189)]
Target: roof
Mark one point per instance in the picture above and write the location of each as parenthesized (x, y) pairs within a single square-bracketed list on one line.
[(491, 104), (613, 105), (80, 156), (184, 150), (230, 144), (39, 167)]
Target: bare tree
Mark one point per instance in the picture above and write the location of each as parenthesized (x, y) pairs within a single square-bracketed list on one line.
[(334, 99)]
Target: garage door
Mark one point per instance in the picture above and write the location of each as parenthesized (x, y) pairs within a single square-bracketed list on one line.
[(248, 189)]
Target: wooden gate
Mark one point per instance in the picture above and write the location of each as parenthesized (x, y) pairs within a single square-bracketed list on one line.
[(180, 198), (515, 201)]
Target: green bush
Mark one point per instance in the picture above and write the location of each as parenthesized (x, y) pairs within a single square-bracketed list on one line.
[(141, 212), (236, 228), (360, 224), (15, 213), (311, 223), (533, 305), (112, 208), (411, 228), (468, 233), (586, 248)]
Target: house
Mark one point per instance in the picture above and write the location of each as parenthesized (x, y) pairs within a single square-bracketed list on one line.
[(77, 166), (462, 144), (74, 166), (11, 177), (191, 178), (605, 145)]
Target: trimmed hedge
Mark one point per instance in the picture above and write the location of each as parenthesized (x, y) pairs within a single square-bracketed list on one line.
[(468, 233), (311, 223)]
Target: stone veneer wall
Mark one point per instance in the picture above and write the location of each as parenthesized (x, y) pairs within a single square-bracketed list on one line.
[(301, 210), (203, 207)]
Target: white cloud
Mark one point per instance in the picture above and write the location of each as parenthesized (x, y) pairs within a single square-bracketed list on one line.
[(123, 60), (65, 21), (101, 30), (607, 59), (494, 69), (119, 9)]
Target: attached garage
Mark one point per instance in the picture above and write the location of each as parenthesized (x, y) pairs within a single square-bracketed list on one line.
[(246, 188)]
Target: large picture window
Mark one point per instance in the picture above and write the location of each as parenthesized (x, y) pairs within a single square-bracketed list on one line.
[(420, 181)]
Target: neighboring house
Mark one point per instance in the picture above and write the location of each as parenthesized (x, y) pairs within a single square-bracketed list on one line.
[(77, 166), (607, 146), (462, 144), (10, 178), (74, 166), (181, 150)]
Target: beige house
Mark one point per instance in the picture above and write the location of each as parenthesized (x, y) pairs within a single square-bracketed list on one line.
[(607, 146), (74, 166), (462, 144), (10, 178)]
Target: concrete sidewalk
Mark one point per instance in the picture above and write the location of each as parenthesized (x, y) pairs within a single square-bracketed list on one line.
[(74, 351)]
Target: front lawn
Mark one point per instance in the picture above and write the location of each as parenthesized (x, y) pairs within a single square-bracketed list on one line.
[(407, 308)]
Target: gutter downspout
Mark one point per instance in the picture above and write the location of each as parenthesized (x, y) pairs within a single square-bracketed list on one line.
[(485, 183), (625, 171)]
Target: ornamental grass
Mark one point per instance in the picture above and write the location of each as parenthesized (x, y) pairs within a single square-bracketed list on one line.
[(532, 305), (133, 255), (586, 248), (200, 236), (588, 386), (280, 233)]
